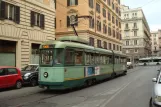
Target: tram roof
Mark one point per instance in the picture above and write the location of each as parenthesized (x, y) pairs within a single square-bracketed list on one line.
[(76, 39), (64, 44)]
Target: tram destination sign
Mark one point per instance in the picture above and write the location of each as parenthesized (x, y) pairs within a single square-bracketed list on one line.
[(47, 46)]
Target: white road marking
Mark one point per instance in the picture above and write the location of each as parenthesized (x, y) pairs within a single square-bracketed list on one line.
[(94, 103), (106, 102)]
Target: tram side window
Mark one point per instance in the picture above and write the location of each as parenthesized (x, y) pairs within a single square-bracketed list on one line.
[(58, 57), (79, 57), (69, 57), (97, 59), (92, 58), (110, 60), (87, 58), (107, 60), (104, 59)]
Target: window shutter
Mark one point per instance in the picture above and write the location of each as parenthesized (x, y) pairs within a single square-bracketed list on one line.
[(92, 23), (2, 11), (76, 2), (17, 14), (55, 23), (32, 18), (42, 21), (68, 21), (68, 2), (76, 20)]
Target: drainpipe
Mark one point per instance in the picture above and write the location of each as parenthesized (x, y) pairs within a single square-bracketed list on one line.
[(0, 7)]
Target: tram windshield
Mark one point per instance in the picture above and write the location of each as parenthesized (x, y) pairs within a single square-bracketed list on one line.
[(51, 57)]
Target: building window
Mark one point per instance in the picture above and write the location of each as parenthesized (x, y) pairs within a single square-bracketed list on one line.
[(114, 33), (136, 50), (113, 6), (126, 26), (127, 43), (135, 33), (119, 13), (126, 33), (98, 25), (97, 7), (113, 46), (73, 18), (127, 51), (135, 42), (104, 29), (119, 24), (116, 22), (120, 37), (119, 1), (90, 3), (37, 19), (72, 2), (110, 46), (99, 43), (104, 12), (105, 45), (91, 23), (117, 35), (91, 41), (109, 2), (10, 12), (113, 20), (117, 48), (120, 48), (117, 10), (109, 31), (135, 25), (109, 16)]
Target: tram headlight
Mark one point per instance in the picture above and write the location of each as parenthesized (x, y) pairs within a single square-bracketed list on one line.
[(45, 74)]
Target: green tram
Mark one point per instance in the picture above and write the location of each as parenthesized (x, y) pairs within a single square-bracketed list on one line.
[(70, 62)]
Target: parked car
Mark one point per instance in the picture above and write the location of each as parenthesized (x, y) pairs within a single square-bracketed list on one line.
[(155, 100), (30, 74), (129, 65), (10, 76)]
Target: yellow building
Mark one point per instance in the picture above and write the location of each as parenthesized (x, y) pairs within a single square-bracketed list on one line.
[(102, 30), (24, 25)]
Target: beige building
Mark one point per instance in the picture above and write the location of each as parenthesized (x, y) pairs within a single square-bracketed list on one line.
[(155, 43), (24, 25), (136, 34), (102, 30)]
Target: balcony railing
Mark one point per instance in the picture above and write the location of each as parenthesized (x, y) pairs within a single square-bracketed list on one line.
[(126, 28), (135, 28)]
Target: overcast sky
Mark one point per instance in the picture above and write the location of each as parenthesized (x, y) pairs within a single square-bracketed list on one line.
[(152, 11)]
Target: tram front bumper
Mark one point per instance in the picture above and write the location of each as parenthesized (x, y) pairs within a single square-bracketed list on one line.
[(52, 85)]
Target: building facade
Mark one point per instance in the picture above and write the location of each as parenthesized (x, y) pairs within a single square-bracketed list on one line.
[(24, 25), (136, 34), (103, 30), (155, 43)]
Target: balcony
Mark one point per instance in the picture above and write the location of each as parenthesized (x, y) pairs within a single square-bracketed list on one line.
[(126, 29), (135, 28)]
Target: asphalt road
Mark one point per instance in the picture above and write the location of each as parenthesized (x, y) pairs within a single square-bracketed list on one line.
[(132, 90)]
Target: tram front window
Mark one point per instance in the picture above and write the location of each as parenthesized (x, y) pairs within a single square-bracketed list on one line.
[(46, 56)]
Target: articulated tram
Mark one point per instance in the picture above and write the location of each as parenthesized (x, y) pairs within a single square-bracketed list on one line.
[(70, 62)]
